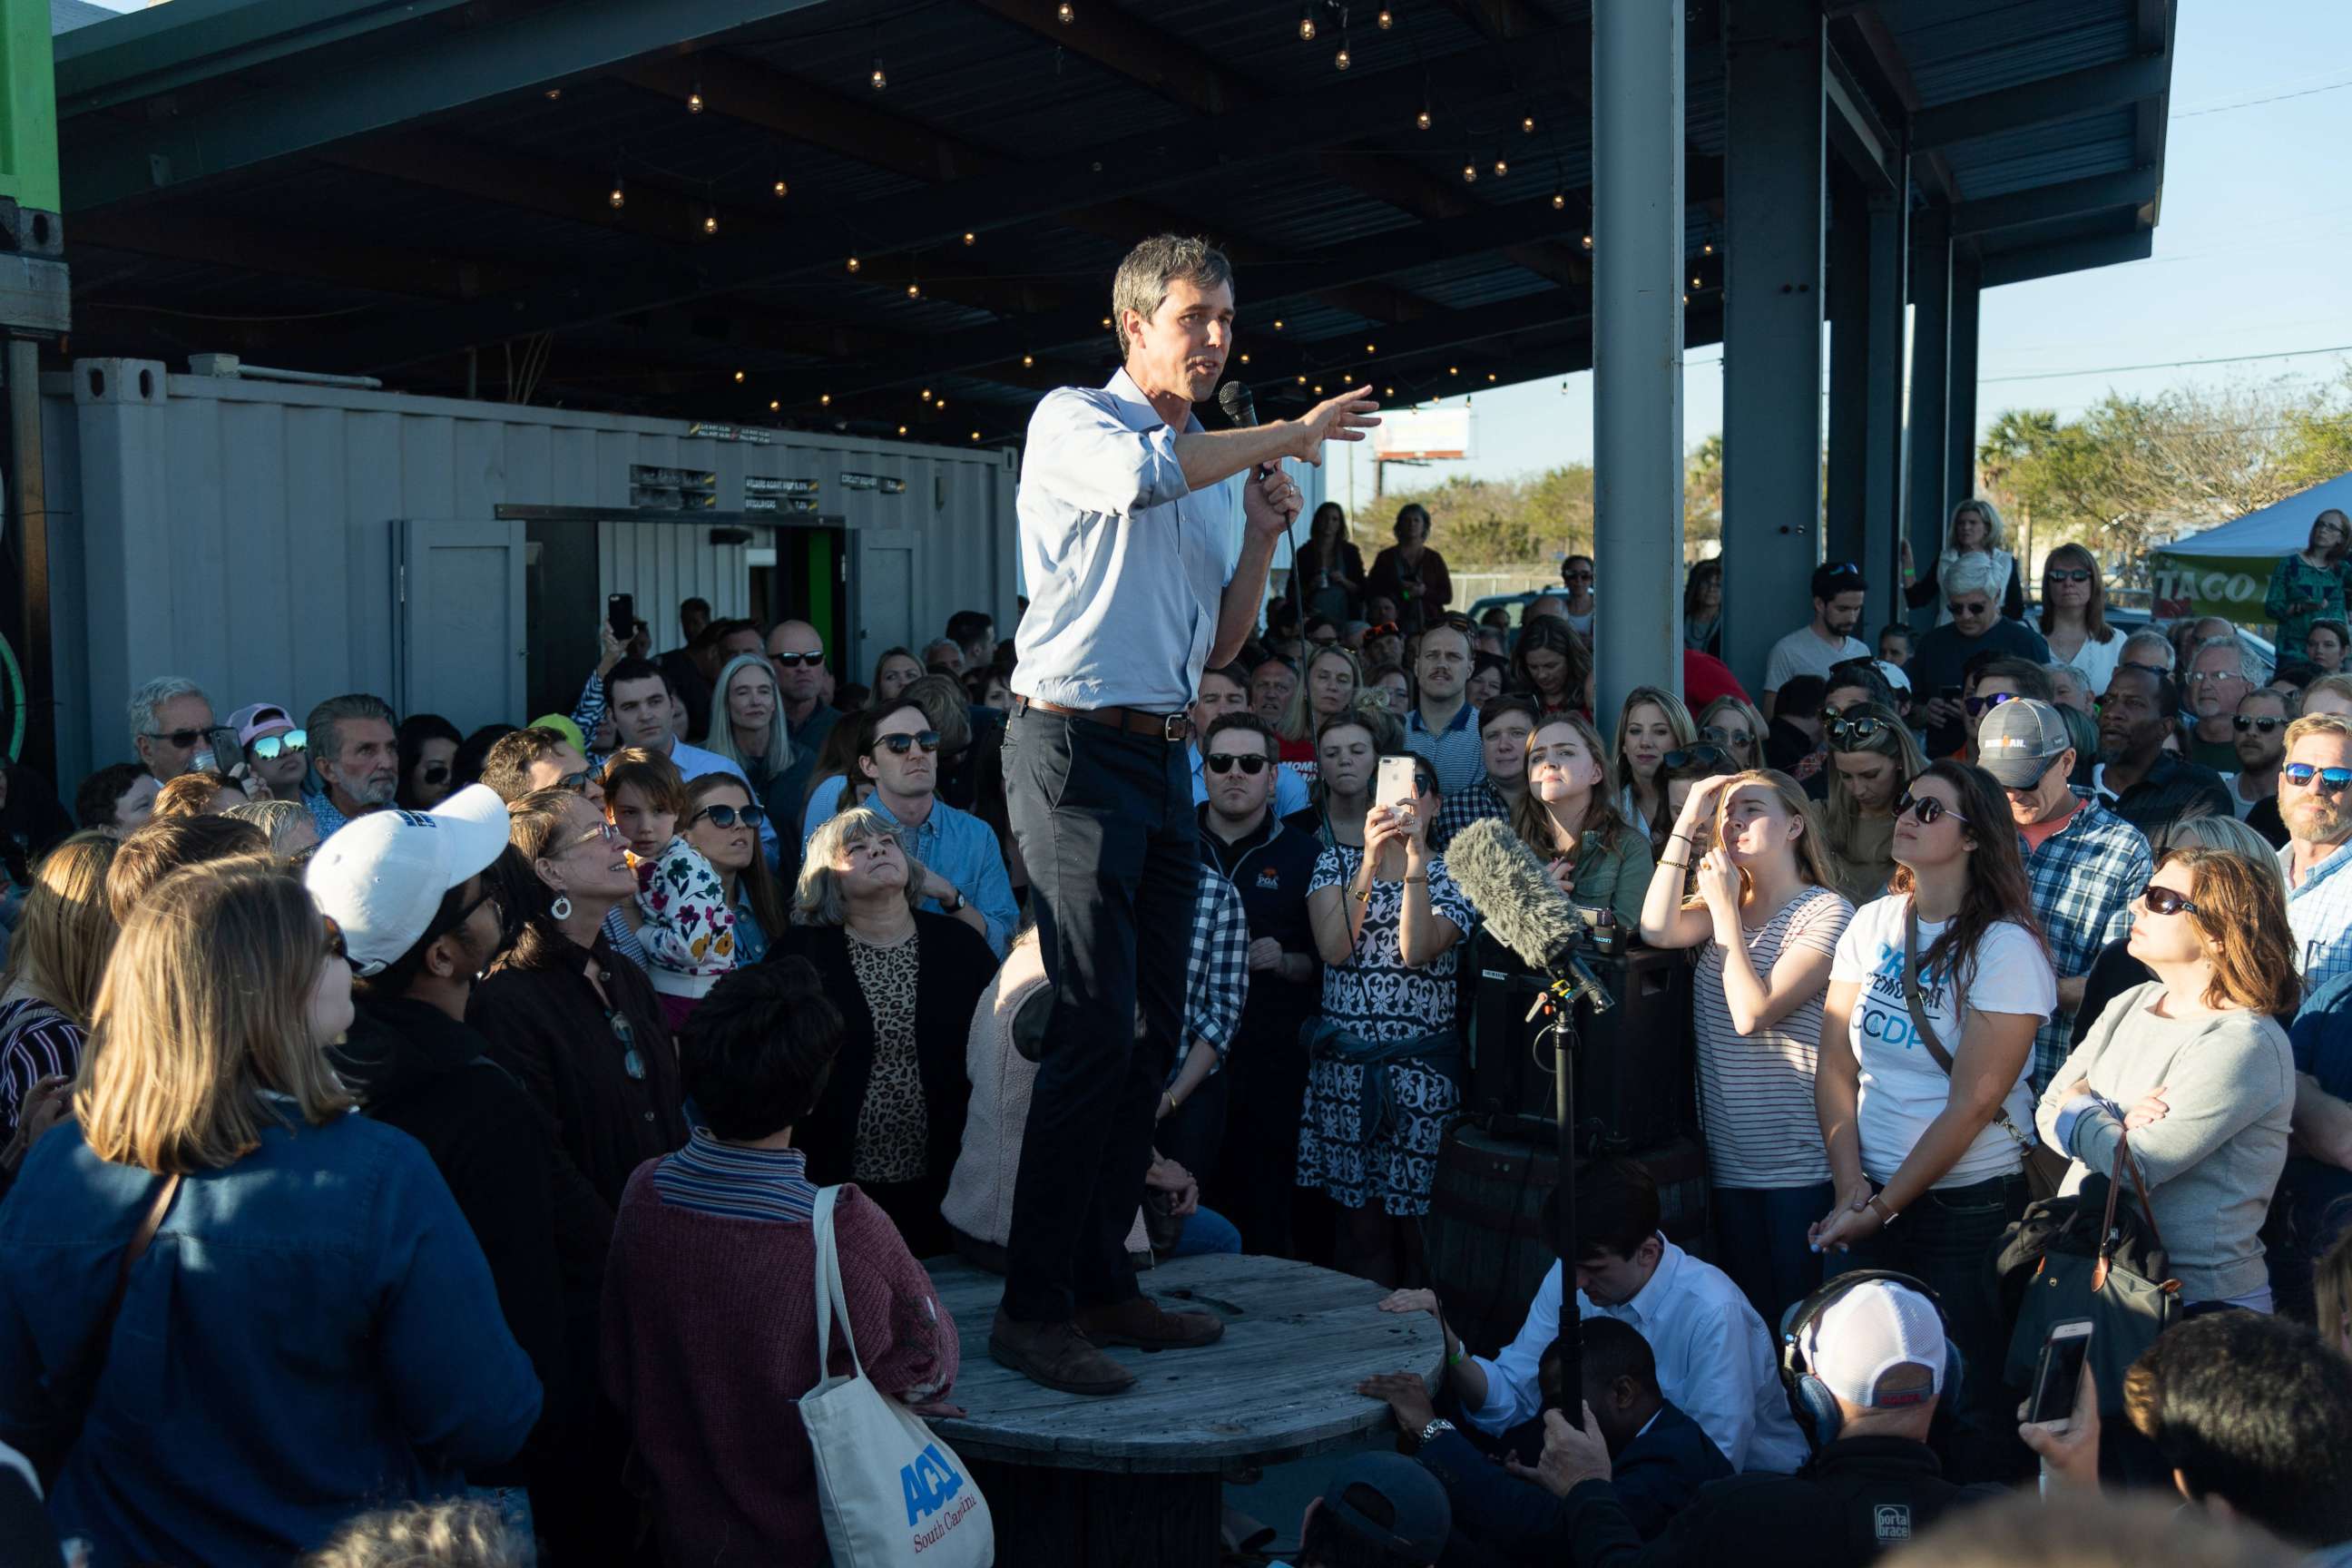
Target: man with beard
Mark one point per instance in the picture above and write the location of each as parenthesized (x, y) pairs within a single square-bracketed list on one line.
[(2259, 734), (2136, 778), (1826, 640), (1443, 726), (2311, 801), (357, 758), (412, 894)]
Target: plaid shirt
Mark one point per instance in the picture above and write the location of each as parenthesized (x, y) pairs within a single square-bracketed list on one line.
[(2084, 878), (1218, 980), (2319, 911), (1456, 752), (1462, 808)]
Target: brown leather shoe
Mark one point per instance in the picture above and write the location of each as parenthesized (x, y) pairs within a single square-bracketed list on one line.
[(1142, 1323), (1056, 1355)]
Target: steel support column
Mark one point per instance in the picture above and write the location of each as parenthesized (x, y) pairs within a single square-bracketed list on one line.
[(1637, 344), (1927, 429), (1960, 382), (1882, 476), (1773, 207)]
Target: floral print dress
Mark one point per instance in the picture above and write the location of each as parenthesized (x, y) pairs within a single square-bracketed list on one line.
[(688, 929)]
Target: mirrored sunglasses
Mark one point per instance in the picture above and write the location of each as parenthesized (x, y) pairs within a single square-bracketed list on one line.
[(2330, 781), (269, 748), (899, 745)]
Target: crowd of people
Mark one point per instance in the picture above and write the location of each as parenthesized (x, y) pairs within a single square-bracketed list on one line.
[(416, 1144)]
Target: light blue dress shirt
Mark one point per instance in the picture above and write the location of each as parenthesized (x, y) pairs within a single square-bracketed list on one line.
[(1127, 565), (960, 848), (2319, 912)]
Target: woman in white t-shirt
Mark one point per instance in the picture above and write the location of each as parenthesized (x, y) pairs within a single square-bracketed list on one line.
[(1758, 1012), (1930, 1163)]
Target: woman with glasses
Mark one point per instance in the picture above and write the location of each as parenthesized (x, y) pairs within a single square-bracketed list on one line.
[(1568, 817), (1929, 1162), (2194, 1066), (429, 748), (1757, 1014), (1385, 1059), (2074, 615), (2309, 585), (1737, 727), (1651, 722), (580, 1026), (1703, 609), (1873, 760), (1552, 664), (746, 726), (722, 823), (1328, 690), (907, 982), (310, 1327), (1975, 529)]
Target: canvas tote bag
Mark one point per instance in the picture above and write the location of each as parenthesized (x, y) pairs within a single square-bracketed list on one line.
[(891, 1494)]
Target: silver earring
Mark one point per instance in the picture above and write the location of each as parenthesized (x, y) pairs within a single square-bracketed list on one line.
[(561, 908)]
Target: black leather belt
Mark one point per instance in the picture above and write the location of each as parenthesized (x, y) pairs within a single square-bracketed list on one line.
[(1169, 727)]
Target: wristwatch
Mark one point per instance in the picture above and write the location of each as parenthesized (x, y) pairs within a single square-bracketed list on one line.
[(953, 904), (1439, 1424)]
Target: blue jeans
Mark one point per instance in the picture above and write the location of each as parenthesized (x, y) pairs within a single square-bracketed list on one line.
[(1946, 1240), (1759, 1234), (1205, 1231)]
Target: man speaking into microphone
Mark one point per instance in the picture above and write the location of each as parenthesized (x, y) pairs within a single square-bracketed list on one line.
[(1125, 534)]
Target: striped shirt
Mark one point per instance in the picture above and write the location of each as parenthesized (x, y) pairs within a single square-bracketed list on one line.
[(734, 1182), (1756, 1091), (36, 1041)]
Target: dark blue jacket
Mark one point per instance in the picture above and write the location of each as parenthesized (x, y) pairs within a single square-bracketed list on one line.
[(313, 1333), (1656, 1475)]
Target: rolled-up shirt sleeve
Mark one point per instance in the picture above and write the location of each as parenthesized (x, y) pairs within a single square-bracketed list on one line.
[(1512, 1394), (1082, 455)]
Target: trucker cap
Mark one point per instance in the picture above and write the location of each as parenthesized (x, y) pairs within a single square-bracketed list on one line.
[(1879, 1345), (2018, 740)]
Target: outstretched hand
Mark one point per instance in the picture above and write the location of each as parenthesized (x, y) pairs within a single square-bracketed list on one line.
[(1342, 418), (1572, 1455)]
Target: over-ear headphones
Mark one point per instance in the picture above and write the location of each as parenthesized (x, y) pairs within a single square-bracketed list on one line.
[(1810, 1399)]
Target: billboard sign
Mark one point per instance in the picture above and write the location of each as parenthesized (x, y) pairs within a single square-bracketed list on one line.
[(1421, 435)]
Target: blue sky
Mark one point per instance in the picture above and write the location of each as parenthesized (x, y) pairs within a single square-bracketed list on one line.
[(2251, 253)]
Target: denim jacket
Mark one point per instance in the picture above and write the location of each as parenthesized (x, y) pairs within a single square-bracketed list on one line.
[(312, 1333)]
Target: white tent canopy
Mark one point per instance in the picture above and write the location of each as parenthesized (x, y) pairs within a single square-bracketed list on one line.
[(2279, 529)]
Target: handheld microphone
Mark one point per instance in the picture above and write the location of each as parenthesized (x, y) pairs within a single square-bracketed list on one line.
[(1240, 404), (1521, 905)]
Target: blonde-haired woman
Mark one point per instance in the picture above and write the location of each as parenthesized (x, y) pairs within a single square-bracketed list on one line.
[(1568, 817), (55, 963), (1873, 760), (309, 1323), (291, 828), (1733, 723), (1651, 722), (1757, 1013), (906, 982), (1328, 690), (1975, 529), (2195, 1067)]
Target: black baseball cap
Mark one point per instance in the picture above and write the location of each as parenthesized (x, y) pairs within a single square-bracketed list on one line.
[(1835, 577), (1391, 1503)]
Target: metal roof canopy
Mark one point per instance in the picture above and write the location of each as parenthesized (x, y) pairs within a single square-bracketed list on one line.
[(418, 189)]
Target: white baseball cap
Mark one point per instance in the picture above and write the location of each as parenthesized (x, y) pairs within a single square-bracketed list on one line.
[(381, 876), (1879, 1346)]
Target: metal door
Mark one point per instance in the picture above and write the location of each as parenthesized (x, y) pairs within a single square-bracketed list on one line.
[(461, 639), (886, 596)]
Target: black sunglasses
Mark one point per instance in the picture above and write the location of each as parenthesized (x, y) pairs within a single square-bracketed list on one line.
[(2164, 901), (1925, 809), (899, 745), (794, 660), (2244, 722), (575, 782), (2067, 574), (183, 739), (728, 816), (1696, 756), (1978, 706), (1253, 763), (436, 773)]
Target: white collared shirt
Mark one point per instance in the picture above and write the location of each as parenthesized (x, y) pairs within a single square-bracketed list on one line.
[(1715, 1361), (1126, 563)]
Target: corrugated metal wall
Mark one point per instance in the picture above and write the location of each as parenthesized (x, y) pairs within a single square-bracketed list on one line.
[(238, 532)]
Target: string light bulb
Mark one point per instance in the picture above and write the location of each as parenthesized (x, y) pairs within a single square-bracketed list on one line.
[(824, 400), (1277, 323), (942, 403), (1588, 242), (854, 264), (927, 395), (739, 378), (975, 435), (710, 221), (1343, 59), (1371, 348), (1490, 375), (902, 429), (782, 188), (1501, 168), (1387, 19), (775, 406), (1453, 370), (553, 93), (618, 197), (1245, 358), (1527, 123), (1559, 201), (1027, 361), (694, 100), (970, 238), (1306, 23), (880, 79), (1066, 13), (1706, 249), (1695, 283), (914, 289), (1421, 120), (1469, 174)]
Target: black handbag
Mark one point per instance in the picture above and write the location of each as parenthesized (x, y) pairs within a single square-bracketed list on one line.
[(2086, 1255)]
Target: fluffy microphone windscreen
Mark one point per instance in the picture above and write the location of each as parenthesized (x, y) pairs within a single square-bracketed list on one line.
[(1512, 894)]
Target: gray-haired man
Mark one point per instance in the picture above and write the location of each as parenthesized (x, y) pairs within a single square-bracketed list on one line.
[(1126, 524), (169, 717), (356, 757)]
